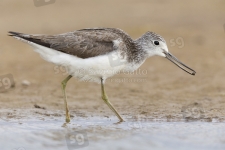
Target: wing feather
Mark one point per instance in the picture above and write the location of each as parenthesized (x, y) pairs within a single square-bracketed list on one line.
[(83, 43)]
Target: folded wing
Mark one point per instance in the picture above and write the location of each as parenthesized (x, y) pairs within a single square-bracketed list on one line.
[(81, 43)]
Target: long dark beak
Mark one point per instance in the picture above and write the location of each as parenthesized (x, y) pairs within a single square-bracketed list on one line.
[(179, 63)]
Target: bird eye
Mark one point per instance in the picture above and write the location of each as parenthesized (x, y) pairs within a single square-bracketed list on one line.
[(156, 42)]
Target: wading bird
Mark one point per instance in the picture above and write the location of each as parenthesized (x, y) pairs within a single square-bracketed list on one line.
[(100, 53)]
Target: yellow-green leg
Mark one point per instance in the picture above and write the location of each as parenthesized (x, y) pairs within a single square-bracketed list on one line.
[(64, 82), (106, 100)]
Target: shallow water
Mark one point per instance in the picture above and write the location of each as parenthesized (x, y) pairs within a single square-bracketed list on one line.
[(105, 134)]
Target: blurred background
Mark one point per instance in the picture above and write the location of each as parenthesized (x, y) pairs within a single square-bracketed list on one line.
[(194, 32)]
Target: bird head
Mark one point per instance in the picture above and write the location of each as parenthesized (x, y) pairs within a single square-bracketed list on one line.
[(154, 44)]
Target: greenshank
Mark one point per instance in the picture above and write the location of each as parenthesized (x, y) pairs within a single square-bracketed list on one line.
[(95, 54)]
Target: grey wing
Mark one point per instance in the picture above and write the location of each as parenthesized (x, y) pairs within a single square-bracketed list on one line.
[(81, 43)]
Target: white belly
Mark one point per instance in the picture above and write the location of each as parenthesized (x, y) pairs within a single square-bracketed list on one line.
[(89, 69)]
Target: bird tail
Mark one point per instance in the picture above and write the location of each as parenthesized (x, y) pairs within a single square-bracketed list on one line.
[(17, 34)]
